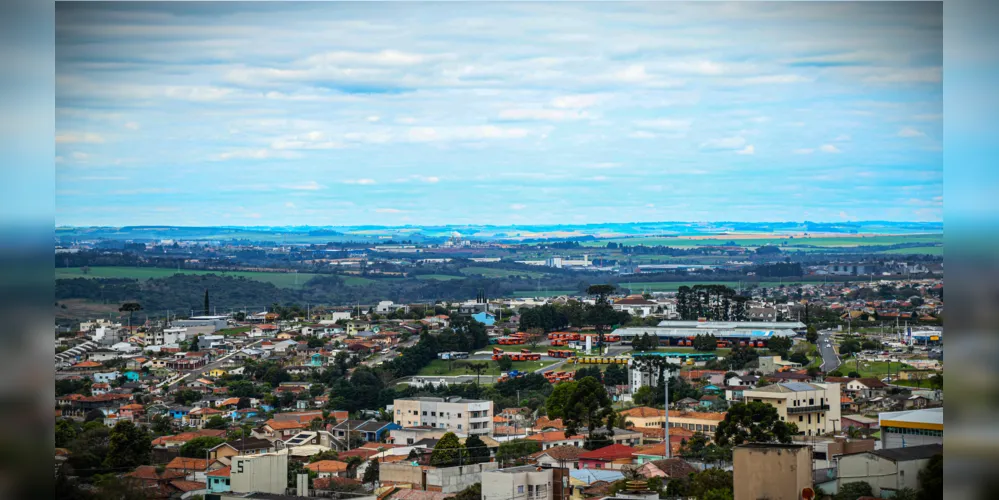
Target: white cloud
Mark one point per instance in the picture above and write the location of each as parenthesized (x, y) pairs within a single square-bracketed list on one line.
[(842, 138), (774, 79), (724, 143), (829, 148), (603, 165), (576, 101), (132, 125), (389, 211), (665, 124), (748, 150), (910, 132), (305, 186), (78, 137), (289, 205), (543, 114), (469, 133), (517, 206), (255, 154), (374, 119), (804, 151), (428, 179), (406, 120), (79, 156), (362, 182)]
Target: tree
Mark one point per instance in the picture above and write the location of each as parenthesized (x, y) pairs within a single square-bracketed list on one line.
[(754, 423), (799, 357), (473, 492), (558, 400), (371, 472), (65, 432), (516, 450), (811, 335), (130, 308), (199, 446), (448, 452), (601, 314), (505, 363), (588, 405), (216, 422), (128, 446), (711, 480), (615, 375), (854, 490), (931, 479), (853, 374), (207, 309), (780, 345), (477, 451), (478, 368)]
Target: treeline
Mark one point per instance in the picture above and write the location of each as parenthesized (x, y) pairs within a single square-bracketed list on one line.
[(554, 317), (779, 269), (713, 302)]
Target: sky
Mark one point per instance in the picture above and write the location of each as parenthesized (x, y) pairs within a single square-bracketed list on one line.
[(238, 113)]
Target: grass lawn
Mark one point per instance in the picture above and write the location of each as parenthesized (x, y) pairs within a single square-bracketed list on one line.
[(283, 280), (928, 250), (924, 384), (877, 369), (490, 272), (234, 331), (441, 367)]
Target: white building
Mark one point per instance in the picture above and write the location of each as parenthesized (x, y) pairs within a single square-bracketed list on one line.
[(469, 416), (263, 473), (526, 482), (887, 471), (166, 336), (814, 408)]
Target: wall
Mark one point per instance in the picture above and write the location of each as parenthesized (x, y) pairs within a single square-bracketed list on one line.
[(505, 485), (266, 473), (778, 471), (401, 473), (455, 479)]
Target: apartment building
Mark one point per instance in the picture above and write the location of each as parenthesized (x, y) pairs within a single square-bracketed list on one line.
[(527, 482), (814, 408), (456, 414)]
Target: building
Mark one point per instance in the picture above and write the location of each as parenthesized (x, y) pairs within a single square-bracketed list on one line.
[(773, 364), (886, 470), (263, 473), (900, 429), (609, 457), (814, 408), (371, 431), (527, 482), (644, 416), (672, 332), (771, 470), (696, 421), (166, 336), (456, 414)]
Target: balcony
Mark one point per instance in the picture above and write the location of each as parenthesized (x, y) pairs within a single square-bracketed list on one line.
[(794, 410)]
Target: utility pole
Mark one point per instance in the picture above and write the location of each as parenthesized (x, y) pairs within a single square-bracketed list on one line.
[(666, 413)]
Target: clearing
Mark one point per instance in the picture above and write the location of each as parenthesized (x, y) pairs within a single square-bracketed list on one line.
[(457, 367)]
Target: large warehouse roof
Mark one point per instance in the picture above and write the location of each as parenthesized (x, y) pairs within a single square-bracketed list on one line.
[(729, 329)]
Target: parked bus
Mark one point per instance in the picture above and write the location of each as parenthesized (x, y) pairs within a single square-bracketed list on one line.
[(560, 353)]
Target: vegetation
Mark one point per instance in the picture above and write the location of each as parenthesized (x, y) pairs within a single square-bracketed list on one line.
[(449, 452), (755, 423)]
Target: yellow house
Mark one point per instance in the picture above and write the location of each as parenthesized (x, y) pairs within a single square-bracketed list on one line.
[(644, 416), (216, 372)]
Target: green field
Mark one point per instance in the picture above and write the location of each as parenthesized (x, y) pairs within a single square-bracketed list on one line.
[(672, 286), (440, 367), (489, 272), (877, 369), (438, 277), (796, 241), (283, 280), (932, 250), (234, 331)]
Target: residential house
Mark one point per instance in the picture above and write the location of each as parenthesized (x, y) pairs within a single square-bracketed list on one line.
[(194, 469), (177, 440), (517, 483), (609, 457), (858, 422), (328, 468), (218, 480), (559, 457), (274, 430), (371, 431), (706, 422), (551, 439), (644, 416)]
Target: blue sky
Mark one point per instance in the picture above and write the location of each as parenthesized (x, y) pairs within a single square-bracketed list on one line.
[(437, 113)]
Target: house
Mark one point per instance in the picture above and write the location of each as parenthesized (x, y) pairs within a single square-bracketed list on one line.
[(671, 468), (371, 431), (742, 380), (887, 470), (649, 453), (178, 440), (328, 468), (468, 416), (706, 422), (644, 416), (629, 437), (543, 424), (858, 422), (156, 482), (246, 446), (216, 373), (608, 457), (558, 456), (526, 482), (814, 408), (179, 412), (586, 477), (218, 480), (194, 469), (552, 439)]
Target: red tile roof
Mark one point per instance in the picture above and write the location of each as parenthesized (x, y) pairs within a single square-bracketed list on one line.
[(187, 486), (223, 472), (552, 436), (186, 463), (612, 452), (327, 466)]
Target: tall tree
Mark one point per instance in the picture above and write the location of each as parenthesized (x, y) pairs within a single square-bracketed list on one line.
[(128, 446), (477, 451), (558, 401), (588, 405), (931, 479), (448, 452), (199, 446), (601, 314), (371, 473), (130, 308), (754, 423), (207, 309)]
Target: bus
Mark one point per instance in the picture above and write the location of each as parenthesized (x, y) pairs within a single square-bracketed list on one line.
[(560, 353)]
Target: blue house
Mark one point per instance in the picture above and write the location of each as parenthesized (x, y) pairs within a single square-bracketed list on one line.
[(132, 376), (485, 318), (317, 360), (711, 389), (218, 480), (371, 430), (179, 412)]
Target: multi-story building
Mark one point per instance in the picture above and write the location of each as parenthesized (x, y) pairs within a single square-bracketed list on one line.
[(814, 408), (900, 429), (456, 414), (527, 482)]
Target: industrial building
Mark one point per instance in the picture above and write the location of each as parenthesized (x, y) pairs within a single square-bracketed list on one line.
[(750, 333)]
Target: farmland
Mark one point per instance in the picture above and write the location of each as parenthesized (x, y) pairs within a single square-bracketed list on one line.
[(490, 272), (790, 241), (283, 280)]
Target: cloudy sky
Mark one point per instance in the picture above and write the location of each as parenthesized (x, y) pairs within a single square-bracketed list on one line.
[(435, 113)]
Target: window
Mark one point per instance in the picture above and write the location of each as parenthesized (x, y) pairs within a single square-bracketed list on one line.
[(520, 490), (424, 413), (811, 401), (801, 418), (433, 414), (459, 427), (459, 415)]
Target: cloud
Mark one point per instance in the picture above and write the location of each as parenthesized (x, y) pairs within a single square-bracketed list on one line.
[(642, 134), (665, 124), (80, 156), (255, 154), (362, 182), (576, 101), (804, 151), (748, 150), (910, 132), (374, 119), (724, 143), (305, 186), (469, 133), (842, 138), (543, 114), (829, 148), (289, 205), (517, 206), (389, 211), (774, 79), (603, 165), (78, 137), (132, 125)]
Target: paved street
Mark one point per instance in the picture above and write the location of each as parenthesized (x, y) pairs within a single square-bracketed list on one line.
[(830, 360)]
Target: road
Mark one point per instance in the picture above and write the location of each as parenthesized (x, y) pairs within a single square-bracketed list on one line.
[(207, 368), (830, 360)]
